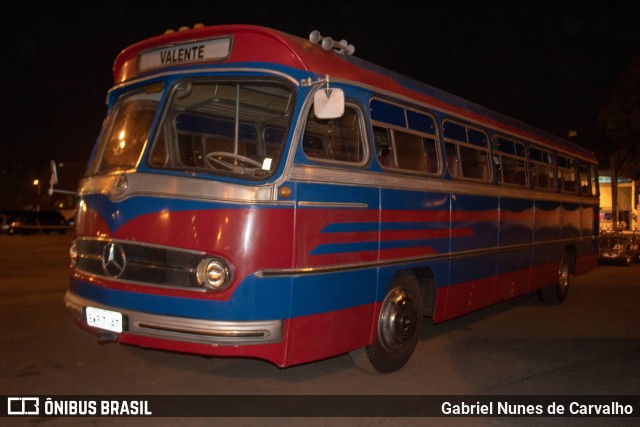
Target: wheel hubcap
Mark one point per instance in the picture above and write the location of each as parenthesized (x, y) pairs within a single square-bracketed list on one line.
[(398, 320)]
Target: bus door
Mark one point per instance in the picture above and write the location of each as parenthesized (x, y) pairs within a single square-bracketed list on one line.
[(337, 228)]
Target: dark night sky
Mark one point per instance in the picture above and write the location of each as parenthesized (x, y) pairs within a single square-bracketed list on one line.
[(551, 65)]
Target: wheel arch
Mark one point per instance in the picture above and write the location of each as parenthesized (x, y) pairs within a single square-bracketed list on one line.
[(427, 281), (427, 284)]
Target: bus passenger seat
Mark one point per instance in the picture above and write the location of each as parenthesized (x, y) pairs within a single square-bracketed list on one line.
[(386, 157)]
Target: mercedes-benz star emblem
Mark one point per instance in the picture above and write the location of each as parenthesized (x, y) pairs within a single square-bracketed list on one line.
[(113, 260)]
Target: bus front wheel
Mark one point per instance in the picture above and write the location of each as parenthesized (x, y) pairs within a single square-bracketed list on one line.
[(399, 328)]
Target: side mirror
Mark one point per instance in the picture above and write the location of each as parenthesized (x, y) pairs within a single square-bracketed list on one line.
[(328, 103), (53, 181)]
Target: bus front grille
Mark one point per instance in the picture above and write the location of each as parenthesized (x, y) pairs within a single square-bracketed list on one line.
[(139, 262)]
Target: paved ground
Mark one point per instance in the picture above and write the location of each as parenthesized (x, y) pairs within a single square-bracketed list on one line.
[(590, 345)]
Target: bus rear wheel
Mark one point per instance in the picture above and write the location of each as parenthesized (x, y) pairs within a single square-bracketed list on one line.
[(557, 293), (399, 328)]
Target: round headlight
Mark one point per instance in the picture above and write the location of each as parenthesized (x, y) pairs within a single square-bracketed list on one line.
[(213, 273)]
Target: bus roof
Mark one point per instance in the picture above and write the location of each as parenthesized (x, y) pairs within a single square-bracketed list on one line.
[(256, 44)]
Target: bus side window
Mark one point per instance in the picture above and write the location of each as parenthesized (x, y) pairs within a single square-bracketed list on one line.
[(334, 139), (405, 139), (583, 172), (567, 174), (542, 169), (467, 152), (405, 150), (313, 146), (510, 162)]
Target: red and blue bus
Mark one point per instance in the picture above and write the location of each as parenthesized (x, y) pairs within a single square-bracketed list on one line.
[(255, 194)]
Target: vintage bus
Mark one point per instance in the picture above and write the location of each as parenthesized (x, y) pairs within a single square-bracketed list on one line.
[(255, 194)]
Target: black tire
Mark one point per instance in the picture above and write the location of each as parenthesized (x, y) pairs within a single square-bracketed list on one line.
[(557, 293), (399, 328)]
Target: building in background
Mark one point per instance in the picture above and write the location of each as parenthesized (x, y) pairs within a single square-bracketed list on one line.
[(627, 202)]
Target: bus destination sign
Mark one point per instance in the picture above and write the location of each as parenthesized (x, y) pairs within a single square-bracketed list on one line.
[(203, 50)]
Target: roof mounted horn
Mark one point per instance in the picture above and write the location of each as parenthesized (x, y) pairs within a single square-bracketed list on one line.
[(328, 43)]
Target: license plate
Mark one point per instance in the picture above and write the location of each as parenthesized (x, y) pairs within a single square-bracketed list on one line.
[(104, 319)]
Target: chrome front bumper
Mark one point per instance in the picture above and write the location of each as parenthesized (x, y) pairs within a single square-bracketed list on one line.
[(185, 329)]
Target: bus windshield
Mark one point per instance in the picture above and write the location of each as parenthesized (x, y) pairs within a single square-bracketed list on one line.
[(230, 128), (127, 130)]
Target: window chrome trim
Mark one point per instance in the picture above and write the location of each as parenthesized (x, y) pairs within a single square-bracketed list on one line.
[(398, 262), (165, 185), (383, 180), (333, 205)]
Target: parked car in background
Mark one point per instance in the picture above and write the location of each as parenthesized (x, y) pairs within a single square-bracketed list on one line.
[(4, 223), (28, 222), (618, 247), (8, 217)]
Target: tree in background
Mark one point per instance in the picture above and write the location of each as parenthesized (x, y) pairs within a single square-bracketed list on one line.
[(621, 119)]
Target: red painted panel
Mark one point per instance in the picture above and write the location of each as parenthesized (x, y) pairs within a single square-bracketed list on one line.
[(469, 296), (307, 338), (329, 334), (91, 224), (512, 284), (273, 353), (251, 239), (311, 234)]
